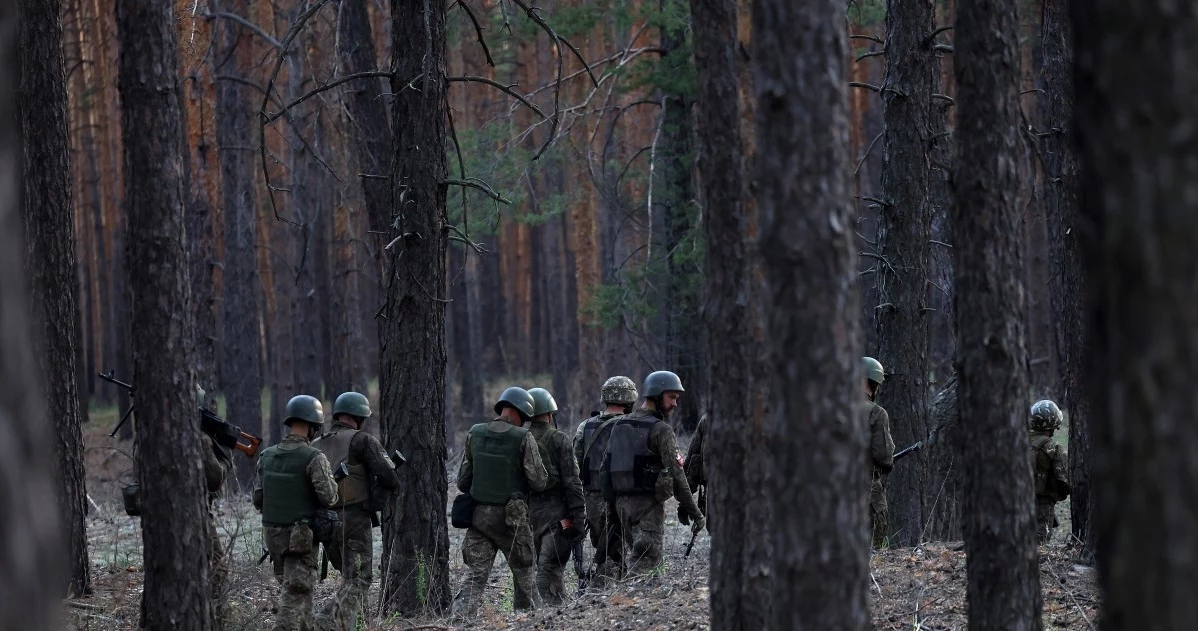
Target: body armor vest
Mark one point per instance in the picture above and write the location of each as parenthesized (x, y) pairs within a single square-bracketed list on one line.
[(287, 494), (548, 458), (632, 467), (595, 437), (495, 457), (1041, 463), (354, 488)]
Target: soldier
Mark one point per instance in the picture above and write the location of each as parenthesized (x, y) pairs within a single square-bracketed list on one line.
[(618, 395), (371, 471), (881, 451), (1048, 463), (643, 469), (554, 511), (501, 466), (217, 462), (293, 482), (696, 472)]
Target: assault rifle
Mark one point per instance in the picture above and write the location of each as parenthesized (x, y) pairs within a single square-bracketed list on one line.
[(927, 442), (584, 575), (221, 431)]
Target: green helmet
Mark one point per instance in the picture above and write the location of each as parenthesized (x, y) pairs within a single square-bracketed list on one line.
[(662, 381), (1045, 416), (618, 390), (518, 398), (304, 408), (353, 404), (542, 402), (873, 370)]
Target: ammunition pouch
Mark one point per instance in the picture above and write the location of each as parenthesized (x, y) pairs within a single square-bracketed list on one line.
[(462, 513), (132, 498), (325, 525)]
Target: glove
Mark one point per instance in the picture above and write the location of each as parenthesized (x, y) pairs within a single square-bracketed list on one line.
[(684, 517), (699, 525)]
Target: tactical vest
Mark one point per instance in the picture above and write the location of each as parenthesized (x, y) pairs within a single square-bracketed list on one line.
[(354, 488), (287, 494), (594, 444), (1041, 463), (549, 459), (496, 461), (632, 467)]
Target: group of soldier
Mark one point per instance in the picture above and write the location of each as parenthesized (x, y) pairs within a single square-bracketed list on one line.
[(1048, 459)]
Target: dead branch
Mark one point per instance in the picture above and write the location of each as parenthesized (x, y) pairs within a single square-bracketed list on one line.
[(871, 38), (246, 23), (872, 53), (368, 74), (927, 41), (506, 89), (479, 185), (478, 29), (868, 86), (536, 18), (866, 154)]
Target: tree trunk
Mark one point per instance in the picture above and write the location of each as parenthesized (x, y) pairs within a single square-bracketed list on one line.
[(819, 483), (1070, 284), (412, 383), (1135, 82), (32, 580), (466, 356), (740, 575), (236, 140), (901, 257), (50, 262), (999, 518), (174, 501)]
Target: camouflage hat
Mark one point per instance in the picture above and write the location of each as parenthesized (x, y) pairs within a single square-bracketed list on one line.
[(873, 370), (619, 390), (518, 398), (542, 402), (1045, 416)]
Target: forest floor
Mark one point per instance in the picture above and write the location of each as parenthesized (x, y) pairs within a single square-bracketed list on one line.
[(910, 588)]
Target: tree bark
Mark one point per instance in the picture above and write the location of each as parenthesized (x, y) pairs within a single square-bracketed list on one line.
[(819, 482), (50, 262), (999, 518), (236, 138), (415, 542), (1135, 83), (740, 575), (32, 580), (174, 500), (1070, 288), (901, 257)]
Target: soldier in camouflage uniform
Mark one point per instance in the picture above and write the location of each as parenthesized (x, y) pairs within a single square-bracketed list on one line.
[(294, 481), (554, 511), (371, 471), (696, 472), (500, 468), (217, 462), (1048, 464), (643, 469), (881, 451), (618, 395)]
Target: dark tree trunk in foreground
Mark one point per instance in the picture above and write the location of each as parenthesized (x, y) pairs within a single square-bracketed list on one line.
[(820, 481), (236, 141), (31, 582), (50, 263), (1136, 82), (174, 509), (740, 579), (999, 518), (1070, 284), (904, 228), (412, 383)]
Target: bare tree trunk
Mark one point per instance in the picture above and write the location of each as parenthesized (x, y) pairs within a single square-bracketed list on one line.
[(1070, 288), (50, 262), (819, 483), (1135, 82), (999, 518), (416, 541), (174, 500), (31, 582), (236, 140)]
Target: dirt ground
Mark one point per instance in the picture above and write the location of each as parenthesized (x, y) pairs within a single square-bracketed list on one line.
[(913, 588)]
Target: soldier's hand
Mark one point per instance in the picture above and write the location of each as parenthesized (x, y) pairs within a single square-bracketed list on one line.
[(684, 517), (699, 525)]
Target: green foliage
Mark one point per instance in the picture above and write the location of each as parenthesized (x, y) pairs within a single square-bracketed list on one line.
[(422, 579), (866, 13)]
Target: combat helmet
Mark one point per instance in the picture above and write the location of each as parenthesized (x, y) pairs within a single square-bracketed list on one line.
[(518, 398), (304, 408), (618, 390), (542, 402), (873, 370), (662, 381), (1045, 416), (352, 403)]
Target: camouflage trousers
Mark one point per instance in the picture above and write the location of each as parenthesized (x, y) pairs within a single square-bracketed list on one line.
[(351, 552), (642, 527), (605, 537), (553, 548), (1046, 519), (293, 554), (498, 529), (879, 514)]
